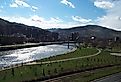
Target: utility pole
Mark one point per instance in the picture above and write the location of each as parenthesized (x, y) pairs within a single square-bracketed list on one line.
[(68, 41)]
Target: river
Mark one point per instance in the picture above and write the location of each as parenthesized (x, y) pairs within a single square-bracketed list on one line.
[(11, 57)]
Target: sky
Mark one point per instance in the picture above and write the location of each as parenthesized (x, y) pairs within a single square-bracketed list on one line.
[(62, 13)]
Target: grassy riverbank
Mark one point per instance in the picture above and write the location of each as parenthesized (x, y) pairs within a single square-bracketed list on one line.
[(43, 71), (78, 53)]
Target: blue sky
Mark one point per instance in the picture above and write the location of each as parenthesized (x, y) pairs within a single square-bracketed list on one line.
[(62, 13)]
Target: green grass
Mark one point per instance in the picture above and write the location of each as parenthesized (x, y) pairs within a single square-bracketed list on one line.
[(78, 53), (116, 49), (90, 75), (38, 71)]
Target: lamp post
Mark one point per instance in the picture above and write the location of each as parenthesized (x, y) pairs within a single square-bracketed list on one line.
[(68, 41), (76, 38)]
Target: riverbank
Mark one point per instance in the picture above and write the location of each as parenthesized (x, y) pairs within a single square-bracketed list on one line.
[(67, 51), (27, 45), (44, 71), (29, 72), (25, 55)]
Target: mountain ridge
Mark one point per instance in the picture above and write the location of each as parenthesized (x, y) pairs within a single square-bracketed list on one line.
[(36, 34), (88, 31)]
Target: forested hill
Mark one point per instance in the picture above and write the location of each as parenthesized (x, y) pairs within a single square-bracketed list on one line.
[(12, 31), (88, 31)]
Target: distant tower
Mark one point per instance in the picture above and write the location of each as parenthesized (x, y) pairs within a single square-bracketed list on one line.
[(116, 39), (92, 37)]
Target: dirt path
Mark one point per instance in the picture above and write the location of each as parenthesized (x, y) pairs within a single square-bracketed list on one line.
[(62, 60)]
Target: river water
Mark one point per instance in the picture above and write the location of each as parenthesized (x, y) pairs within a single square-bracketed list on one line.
[(11, 57)]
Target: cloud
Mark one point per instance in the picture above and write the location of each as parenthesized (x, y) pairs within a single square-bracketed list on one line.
[(66, 2), (52, 22), (112, 19), (80, 19), (33, 8), (39, 19), (35, 20), (13, 5), (56, 19), (19, 3), (103, 4), (22, 3)]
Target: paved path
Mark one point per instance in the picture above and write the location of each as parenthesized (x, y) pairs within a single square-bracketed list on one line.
[(62, 60), (111, 78)]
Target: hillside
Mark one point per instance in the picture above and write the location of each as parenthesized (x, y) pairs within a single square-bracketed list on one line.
[(88, 31), (14, 31)]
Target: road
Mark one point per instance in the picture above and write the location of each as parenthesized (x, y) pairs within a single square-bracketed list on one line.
[(112, 78), (69, 59)]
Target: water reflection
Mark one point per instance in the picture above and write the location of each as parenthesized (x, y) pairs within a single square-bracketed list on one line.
[(8, 58)]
